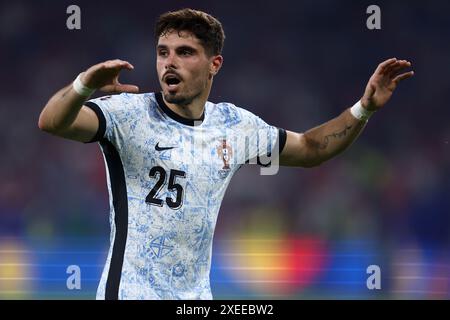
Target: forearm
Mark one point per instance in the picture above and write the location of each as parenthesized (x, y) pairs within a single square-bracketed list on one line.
[(61, 110), (331, 138), (319, 144)]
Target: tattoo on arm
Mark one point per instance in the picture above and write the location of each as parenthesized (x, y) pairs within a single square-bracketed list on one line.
[(336, 135), (65, 93)]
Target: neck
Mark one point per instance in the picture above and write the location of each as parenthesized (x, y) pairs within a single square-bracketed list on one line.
[(194, 109)]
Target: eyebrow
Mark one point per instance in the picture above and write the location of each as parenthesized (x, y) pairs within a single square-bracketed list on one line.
[(182, 47), (185, 47)]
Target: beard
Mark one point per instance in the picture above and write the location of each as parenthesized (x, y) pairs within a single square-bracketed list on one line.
[(181, 99), (178, 99)]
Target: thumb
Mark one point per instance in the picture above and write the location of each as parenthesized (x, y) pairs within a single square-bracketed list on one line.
[(120, 88), (127, 88), (370, 90)]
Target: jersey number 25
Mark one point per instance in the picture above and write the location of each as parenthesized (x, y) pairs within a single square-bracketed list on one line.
[(172, 186)]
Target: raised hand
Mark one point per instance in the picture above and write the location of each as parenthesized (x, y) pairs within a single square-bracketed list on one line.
[(383, 83), (105, 77)]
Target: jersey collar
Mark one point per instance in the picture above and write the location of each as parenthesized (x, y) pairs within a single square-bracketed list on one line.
[(175, 116)]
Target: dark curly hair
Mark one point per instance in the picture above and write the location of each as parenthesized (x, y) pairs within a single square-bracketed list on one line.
[(204, 26)]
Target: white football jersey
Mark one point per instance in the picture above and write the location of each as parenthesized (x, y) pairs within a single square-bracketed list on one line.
[(166, 177)]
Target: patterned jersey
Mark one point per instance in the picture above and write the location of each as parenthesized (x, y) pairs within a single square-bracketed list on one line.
[(166, 178)]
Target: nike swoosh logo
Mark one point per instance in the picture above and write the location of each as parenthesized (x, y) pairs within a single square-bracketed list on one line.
[(158, 148)]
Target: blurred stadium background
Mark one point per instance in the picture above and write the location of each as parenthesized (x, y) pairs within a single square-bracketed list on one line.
[(302, 234)]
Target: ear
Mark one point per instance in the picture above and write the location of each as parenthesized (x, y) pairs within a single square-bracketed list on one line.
[(215, 65)]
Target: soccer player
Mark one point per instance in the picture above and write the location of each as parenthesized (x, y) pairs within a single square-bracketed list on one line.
[(170, 155)]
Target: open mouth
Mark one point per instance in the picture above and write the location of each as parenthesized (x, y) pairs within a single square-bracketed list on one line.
[(172, 80)]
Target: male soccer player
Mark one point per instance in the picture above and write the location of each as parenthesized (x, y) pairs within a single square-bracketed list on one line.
[(170, 155)]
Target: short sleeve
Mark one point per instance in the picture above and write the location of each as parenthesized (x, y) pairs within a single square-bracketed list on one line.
[(111, 112), (263, 142)]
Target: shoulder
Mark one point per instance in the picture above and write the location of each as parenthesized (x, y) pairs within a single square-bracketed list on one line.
[(125, 99), (229, 114), (124, 103)]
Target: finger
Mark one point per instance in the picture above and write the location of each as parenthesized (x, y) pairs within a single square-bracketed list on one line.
[(130, 88), (118, 64), (382, 66), (394, 69), (403, 76), (115, 61), (123, 66), (119, 88), (112, 63)]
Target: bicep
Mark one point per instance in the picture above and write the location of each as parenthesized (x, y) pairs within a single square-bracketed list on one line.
[(296, 152), (84, 128)]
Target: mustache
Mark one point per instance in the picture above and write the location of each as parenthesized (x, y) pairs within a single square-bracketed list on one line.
[(171, 73)]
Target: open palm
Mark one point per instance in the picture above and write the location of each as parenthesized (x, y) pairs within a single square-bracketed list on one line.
[(383, 83), (105, 77)]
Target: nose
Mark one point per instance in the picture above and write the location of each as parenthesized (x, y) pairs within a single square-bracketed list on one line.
[(171, 62)]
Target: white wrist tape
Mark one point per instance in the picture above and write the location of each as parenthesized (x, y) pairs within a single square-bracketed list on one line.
[(80, 88), (360, 113)]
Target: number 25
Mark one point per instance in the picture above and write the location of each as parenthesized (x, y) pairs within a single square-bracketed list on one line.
[(151, 197)]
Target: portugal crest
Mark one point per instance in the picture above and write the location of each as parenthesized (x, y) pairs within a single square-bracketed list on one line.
[(225, 152)]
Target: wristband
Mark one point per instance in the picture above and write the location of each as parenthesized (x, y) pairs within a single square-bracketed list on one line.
[(360, 113), (80, 88)]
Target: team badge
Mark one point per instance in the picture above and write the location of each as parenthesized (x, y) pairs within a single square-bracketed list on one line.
[(225, 152)]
